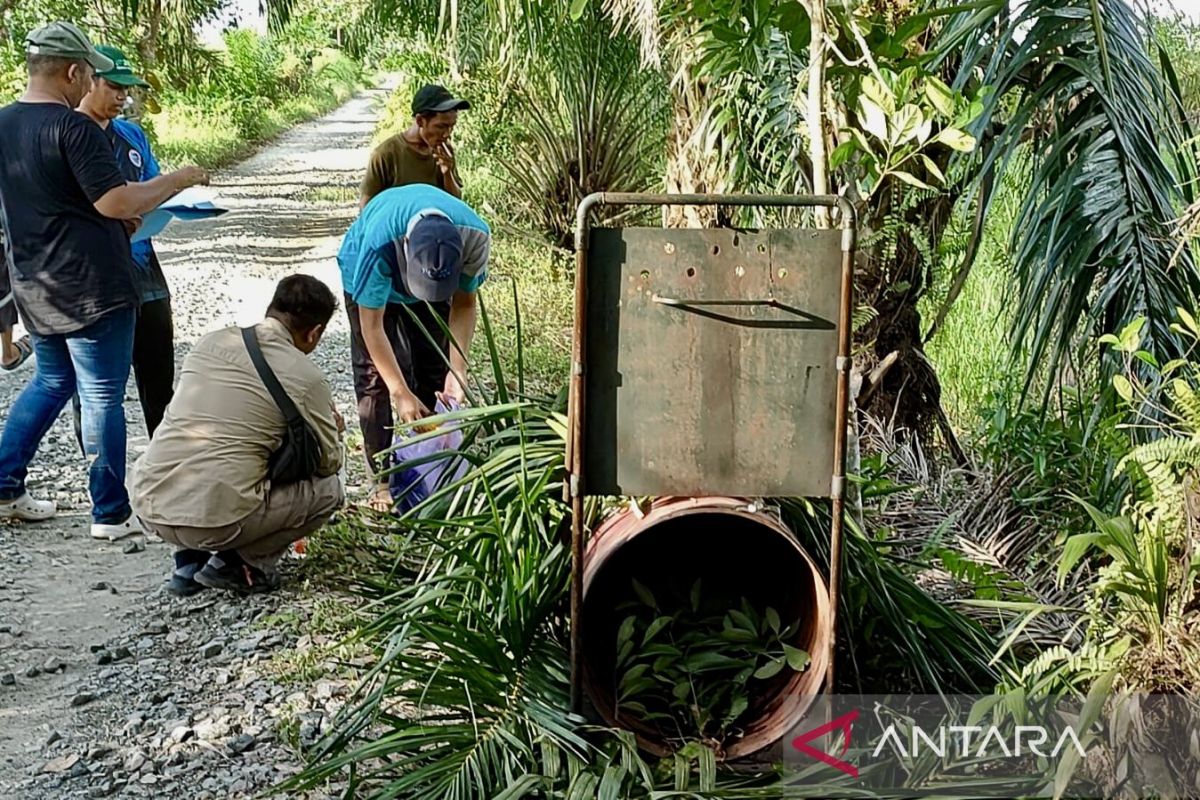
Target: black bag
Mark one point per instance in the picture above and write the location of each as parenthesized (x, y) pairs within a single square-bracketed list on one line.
[(299, 456)]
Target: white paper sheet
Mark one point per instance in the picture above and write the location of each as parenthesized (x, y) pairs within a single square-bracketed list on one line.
[(190, 204)]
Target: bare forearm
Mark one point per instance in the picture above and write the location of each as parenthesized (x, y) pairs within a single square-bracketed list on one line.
[(462, 328), (136, 199)]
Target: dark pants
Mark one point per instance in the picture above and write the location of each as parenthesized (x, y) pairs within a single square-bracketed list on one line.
[(422, 363), (153, 364), (154, 360), (8, 311)]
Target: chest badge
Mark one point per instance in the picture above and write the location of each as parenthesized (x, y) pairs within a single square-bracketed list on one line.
[(135, 158)]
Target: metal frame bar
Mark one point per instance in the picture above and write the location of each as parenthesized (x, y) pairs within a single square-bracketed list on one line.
[(576, 408)]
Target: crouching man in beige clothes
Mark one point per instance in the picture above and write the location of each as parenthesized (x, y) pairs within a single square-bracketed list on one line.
[(202, 484)]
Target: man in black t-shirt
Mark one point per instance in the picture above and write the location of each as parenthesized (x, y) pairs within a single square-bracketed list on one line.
[(66, 208)]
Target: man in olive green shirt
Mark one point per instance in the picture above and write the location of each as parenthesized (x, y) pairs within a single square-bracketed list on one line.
[(422, 152), (203, 483)]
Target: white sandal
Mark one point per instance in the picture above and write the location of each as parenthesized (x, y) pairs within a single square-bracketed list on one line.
[(28, 509)]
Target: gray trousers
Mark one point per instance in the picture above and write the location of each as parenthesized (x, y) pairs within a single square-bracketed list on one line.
[(288, 513)]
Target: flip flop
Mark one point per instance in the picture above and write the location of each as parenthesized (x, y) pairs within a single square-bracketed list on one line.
[(24, 350)]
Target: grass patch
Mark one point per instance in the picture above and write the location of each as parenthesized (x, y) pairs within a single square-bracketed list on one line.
[(972, 351), (529, 276), (330, 194)]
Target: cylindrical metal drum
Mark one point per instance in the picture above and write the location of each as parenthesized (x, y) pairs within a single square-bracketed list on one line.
[(737, 551)]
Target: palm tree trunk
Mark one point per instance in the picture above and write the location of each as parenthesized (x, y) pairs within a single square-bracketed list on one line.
[(816, 115), (691, 167), (147, 46)]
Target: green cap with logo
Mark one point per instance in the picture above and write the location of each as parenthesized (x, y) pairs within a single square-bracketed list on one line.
[(122, 72), (64, 40)]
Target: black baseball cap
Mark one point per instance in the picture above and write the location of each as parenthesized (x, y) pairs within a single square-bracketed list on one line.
[(432, 257), (434, 99)]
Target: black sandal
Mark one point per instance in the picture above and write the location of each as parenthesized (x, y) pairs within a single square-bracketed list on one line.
[(24, 350)]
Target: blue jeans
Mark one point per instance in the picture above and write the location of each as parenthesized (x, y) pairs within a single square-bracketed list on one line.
[(95, 361)]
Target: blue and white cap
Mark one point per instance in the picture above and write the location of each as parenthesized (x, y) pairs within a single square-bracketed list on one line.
[(432, 256)]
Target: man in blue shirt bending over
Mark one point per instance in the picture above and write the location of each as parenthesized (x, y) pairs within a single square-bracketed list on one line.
[(414, 255), (154, 336)]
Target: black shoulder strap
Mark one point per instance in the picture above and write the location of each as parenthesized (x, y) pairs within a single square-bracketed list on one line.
[(290, 413)]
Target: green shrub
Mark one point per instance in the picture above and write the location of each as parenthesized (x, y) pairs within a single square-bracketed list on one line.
[(216, 123), (255, 66)]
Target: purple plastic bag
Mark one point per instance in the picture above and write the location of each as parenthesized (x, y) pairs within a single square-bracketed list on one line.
[(414, 484)]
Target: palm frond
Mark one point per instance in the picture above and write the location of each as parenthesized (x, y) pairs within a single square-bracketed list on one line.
[(1093, 245)]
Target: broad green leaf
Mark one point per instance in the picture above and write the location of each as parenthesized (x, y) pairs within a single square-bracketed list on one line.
[(737, 708), (879, 95), (1187, 319), (772, 620), (770, 669), (644, 595), (924, 132), (1076, 548), (577, 8), (1131, 335), (910, 179), (520, 788), (625, 632), (655, 628), (1146, 358), (634, 673), (706, 762), (940, 96), (872, 118), (955, 139), (841, 154), (1092, 707), (797, 659), (611, 783), (683, 772), (744, 622), (710, 660), (738, 636), (905, 124), (1172, 365), (1124, 387), (933, 168)]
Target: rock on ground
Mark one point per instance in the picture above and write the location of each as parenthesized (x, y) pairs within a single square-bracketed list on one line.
[(121, 690)]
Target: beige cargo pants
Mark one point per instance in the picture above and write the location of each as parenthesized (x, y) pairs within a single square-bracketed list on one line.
[(288, 513)]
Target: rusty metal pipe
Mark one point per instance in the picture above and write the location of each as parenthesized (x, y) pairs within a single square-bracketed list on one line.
[(574, 462), (838, 489), (737, 550)]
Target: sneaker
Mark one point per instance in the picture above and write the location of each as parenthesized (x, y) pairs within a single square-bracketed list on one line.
[(228, 571), (182, 582), (118, 530), (28, 509)]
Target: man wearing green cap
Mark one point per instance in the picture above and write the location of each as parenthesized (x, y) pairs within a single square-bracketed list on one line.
[(65, 201), (154, 335)]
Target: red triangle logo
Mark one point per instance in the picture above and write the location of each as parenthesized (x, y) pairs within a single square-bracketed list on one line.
[(844, 724)]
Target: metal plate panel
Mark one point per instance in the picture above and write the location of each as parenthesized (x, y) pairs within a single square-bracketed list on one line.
[(711, 362)]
